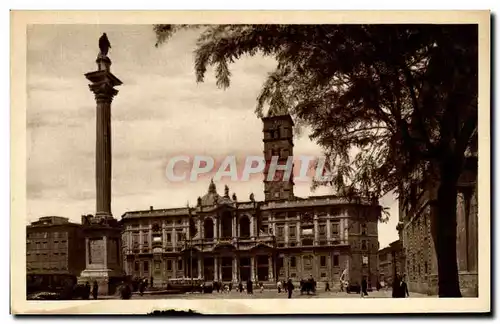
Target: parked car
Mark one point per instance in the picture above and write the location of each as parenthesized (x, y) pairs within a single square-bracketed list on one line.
[(353, 288), (44, 295)]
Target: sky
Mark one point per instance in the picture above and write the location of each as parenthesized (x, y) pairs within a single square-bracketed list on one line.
[(160, 112)]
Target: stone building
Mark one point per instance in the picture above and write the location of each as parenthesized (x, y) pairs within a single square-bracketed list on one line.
[(418, 248), (389, 262), (225, 239), (54, 249)]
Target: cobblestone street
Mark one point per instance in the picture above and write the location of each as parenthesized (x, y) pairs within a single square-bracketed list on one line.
[(272, 294)]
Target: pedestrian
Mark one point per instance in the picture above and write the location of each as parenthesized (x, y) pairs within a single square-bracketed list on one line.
[(151, 281), (240, 287), (261, 287), (327, 286), (230, 286), (95, 289), (364, 287), (290, 288), (142, 285), (396, 287), (125, 291), (403, 288), (86, 294), (279, 286), (249, 287)]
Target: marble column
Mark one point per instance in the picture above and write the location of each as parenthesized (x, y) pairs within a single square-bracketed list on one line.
[(235, 269), (216, 235), (150, 234), (163, 236), (233, 224), (271, 269), (199, 267), (252, 232), (316, 234), (252, 268), (216, 269), (103, 83), (328, 229)]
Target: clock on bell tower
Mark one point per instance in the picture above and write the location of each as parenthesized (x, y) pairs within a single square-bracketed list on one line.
[(278, 141)]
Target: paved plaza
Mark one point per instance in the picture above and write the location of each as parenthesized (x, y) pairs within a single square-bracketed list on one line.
[(271, 294)]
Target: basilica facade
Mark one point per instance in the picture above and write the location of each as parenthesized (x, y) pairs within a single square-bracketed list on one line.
[(284, 236)]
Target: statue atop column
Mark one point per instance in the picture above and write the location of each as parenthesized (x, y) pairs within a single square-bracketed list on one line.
[(103, 61), (104, 44)]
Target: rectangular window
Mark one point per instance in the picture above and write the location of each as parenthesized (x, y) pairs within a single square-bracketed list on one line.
[(335, 229), (169, 238), (179, 264), (322, 229), (281, 231), (292, 262), (335, 260), (363, 245), (292, 231), (323, 261), (169, 265), (136, 266), (146, 266)]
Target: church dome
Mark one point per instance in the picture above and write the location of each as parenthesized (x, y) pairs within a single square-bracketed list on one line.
[(211, 197)]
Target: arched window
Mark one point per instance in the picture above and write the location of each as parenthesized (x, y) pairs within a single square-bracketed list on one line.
[(244, 227), (208, 227), (227, 224)]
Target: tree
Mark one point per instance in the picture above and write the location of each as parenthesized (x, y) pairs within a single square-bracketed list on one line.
[(394, 107)]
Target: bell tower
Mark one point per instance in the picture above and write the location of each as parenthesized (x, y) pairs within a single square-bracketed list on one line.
[(278, 143)]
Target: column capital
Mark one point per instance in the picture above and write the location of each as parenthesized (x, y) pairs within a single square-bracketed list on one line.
[(103, 83), (103, 91)]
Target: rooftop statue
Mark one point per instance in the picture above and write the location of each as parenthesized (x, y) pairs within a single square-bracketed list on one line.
[(104, 44)]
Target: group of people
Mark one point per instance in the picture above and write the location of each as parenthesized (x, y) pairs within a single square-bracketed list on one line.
[(86, 291)]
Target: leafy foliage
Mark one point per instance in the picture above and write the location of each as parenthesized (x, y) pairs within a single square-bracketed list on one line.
[(385, 102)]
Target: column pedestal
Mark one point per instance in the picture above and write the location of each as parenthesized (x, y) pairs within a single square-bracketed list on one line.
[(102, 256)]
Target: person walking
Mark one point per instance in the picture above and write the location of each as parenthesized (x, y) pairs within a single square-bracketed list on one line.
[(327, 286), (95, 289), (125, 291), (364, 287), (142, 285), (289, 288), (403, 288), (240, 287), (279, 286), (396, 287), (87, 291)]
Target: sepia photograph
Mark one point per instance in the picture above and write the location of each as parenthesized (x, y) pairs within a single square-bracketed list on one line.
[(233, 157)]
